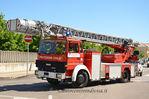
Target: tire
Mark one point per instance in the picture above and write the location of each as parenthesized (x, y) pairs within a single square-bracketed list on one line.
[(53, 81), (140, 74), (148, 65), (126, 76), (82, 80)]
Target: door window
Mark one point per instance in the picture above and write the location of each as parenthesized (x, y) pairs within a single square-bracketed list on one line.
[(73, 47)]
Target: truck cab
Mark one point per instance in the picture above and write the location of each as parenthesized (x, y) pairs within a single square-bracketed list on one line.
[(57, 58)]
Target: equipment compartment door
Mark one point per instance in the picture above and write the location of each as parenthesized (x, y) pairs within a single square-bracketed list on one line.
[(115, 71), (96, 66)]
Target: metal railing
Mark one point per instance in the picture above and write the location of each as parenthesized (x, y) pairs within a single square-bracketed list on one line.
[(16, 57)]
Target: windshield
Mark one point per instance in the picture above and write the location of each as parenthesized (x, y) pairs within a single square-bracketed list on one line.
[(52, 47)]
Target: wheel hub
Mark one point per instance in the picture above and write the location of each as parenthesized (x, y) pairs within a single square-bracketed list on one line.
[(81, 78)]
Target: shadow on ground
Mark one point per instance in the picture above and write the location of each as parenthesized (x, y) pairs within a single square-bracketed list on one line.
[(44, 86)]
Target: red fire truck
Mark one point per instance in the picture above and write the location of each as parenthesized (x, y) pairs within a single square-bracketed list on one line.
[(62, 57)]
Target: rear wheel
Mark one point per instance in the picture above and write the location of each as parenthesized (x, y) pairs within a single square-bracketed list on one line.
[(53, 81), (126, 76), (147, 65), (82, 79), (140, 73)]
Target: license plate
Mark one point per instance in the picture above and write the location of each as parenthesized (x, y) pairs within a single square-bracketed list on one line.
[(45, 73)]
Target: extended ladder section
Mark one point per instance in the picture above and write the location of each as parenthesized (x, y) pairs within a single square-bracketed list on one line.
[(41, 28)]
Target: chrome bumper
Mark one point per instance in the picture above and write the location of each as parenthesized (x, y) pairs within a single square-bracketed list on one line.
[(53, 75)]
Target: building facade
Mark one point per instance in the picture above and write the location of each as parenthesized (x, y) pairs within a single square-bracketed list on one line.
[(144, 48)]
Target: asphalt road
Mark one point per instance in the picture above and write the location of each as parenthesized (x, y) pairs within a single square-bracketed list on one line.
[(31, 87)]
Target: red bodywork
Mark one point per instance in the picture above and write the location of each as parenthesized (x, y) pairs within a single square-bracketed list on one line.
[(121, 55)]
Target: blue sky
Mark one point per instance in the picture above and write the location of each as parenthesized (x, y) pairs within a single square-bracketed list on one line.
[(123, 18)]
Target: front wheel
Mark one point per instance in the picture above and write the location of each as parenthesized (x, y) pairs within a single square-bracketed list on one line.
[(82, 79), (126, 76)]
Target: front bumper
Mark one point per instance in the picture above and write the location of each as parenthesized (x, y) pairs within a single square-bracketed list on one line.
[(52, 75)]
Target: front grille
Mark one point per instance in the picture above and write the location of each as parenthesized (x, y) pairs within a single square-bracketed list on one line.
[(51, 66)]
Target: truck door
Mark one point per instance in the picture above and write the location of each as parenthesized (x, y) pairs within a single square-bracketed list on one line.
[(75, 56)]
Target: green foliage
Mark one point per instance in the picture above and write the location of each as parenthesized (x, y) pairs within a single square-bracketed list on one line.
[(9, 40), (107, 49), (141, 55), (34, 44), (15, 42), (101, 48), (12, 42)]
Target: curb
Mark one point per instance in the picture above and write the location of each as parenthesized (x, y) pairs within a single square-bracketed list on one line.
[(15, 75)]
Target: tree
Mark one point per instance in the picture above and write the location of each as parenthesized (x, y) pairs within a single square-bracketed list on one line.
[(100, 48), (35, 43), (15, 42), (9, 40), (141, 55)]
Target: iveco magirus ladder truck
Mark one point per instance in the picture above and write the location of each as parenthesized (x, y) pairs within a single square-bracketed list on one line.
[(61, 57)]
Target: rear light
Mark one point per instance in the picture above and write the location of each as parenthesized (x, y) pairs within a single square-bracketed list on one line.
[(107, 69), (66, 67)]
